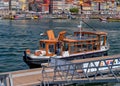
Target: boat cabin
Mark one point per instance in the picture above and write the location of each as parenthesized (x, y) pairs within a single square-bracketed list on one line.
[(78, 43)]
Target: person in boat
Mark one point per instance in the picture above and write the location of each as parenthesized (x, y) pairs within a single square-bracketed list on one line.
[(58, 52)]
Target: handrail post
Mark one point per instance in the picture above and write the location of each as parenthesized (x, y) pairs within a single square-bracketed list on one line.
[(11, 80)]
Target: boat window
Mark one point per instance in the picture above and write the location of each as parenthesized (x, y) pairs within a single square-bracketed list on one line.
[(78, 48), (59, 48), (77, 34), (102, 40), (94, 45), (51, 48), (65, 48), (72, 49), (58, 45), (90, 47), (42, 45)]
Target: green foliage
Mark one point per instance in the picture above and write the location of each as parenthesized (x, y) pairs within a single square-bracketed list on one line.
[(74, 10), (118, 2)]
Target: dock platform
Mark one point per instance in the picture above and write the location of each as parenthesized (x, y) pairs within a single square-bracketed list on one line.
[(61, 72)]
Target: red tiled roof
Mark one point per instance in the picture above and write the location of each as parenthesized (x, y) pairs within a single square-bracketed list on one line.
[(5, 0), (113, 0), (99, 0), (68, 1), (103, 0), (86, 4)]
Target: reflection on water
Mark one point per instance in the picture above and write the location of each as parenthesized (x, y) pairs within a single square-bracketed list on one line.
[(18, 35)]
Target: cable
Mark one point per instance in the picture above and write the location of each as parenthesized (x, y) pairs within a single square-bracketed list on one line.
[(89, 25)]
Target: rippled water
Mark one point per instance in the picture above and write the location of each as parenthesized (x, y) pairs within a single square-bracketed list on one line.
[(18, 35)]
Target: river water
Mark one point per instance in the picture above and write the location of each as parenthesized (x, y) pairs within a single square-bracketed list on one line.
[(18, 35)]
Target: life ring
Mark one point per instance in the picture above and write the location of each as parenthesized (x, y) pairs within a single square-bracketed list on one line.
[(109, 62), (37, 53), (28, 51)]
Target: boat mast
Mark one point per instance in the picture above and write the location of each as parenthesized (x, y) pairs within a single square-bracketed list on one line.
[(80, 28)]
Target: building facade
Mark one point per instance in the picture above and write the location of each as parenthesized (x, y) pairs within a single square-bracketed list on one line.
[(54, 6), (87, 6)]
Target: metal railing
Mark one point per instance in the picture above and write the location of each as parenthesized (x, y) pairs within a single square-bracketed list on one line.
[(101, 69), (6, 80)]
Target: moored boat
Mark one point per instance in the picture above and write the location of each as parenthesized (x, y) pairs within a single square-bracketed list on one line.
[(113, 19), (103, 19), (80, 45)]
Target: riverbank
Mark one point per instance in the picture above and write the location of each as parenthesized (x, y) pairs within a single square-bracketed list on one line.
[(37, 15)]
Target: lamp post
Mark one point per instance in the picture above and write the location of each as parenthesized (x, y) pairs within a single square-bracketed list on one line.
[(9, 4), (99, 6), (10, 13), (51, 7)]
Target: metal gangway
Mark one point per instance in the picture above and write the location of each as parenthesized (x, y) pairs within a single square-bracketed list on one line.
[(81, 71)]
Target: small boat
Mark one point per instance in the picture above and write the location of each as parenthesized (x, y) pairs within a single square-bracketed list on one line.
[(19, 17), (80, 45), (113, 19), (103, 19)]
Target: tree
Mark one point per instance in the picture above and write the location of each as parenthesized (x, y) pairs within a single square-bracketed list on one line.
[(74, 10), (118, 2)]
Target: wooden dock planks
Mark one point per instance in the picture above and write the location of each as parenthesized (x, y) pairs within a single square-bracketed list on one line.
[(28, 77)]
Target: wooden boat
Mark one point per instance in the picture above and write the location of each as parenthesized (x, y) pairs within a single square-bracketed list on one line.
[(80, 45)]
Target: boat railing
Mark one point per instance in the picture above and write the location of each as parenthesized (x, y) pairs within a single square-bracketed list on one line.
[(90, 69), (105, 47), (82, 38), (6, 79)]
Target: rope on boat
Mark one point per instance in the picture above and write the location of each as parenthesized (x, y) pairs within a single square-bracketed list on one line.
[(88, 25)]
